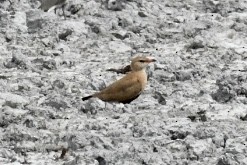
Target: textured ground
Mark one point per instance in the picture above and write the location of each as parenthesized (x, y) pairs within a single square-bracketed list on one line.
[(193, 111)]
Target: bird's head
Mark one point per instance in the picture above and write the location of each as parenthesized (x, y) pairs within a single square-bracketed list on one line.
[(139, 63)]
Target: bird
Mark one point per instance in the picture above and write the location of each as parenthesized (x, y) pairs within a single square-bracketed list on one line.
[(47, 5), (129, 87)]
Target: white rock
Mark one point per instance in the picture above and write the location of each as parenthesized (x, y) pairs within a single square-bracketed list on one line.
[(14, 98), (119, 46)]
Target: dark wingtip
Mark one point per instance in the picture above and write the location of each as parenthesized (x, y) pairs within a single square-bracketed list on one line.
[(86, 98), (122, 70)]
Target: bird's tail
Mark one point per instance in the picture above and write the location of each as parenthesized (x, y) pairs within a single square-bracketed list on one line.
[(86, 98)]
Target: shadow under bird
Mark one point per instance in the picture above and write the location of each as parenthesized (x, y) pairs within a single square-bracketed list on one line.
[(47, 5), (129, 87)]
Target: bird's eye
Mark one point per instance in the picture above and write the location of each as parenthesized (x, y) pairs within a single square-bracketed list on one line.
[(142, 61)]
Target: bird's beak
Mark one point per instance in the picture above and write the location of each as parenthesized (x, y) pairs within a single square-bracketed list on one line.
[(149, 60)]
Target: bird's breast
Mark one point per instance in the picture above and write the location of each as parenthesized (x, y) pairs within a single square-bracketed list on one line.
[(142, 78)]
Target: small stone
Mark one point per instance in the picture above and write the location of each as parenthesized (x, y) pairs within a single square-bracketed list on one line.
[(50, 64), (58, 104), (142, 14), (160, 97), (16, 63), (119, 46), (58, 83), (115, 5), (183, 75), (121, 34), (101, 160), (65, 34), (13, 99)]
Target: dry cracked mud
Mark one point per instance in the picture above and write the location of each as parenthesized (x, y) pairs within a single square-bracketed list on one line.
[(193, 111)]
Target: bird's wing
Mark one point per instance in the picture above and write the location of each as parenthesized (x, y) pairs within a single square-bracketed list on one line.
[(123, 70), (127, 88)]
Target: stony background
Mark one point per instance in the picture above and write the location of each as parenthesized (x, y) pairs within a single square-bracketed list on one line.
[(193, 111)]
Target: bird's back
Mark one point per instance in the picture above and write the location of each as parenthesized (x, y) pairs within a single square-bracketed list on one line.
[(125, 89)]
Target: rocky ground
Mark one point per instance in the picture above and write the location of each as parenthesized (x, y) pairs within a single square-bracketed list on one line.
[(193, 111)]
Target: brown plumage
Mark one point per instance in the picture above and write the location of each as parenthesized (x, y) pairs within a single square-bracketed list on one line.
[(129, 87)]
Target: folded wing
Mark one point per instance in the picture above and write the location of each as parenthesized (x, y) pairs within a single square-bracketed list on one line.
[(124, 90)]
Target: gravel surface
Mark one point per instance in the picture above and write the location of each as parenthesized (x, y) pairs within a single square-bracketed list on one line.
[(192, 112)]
